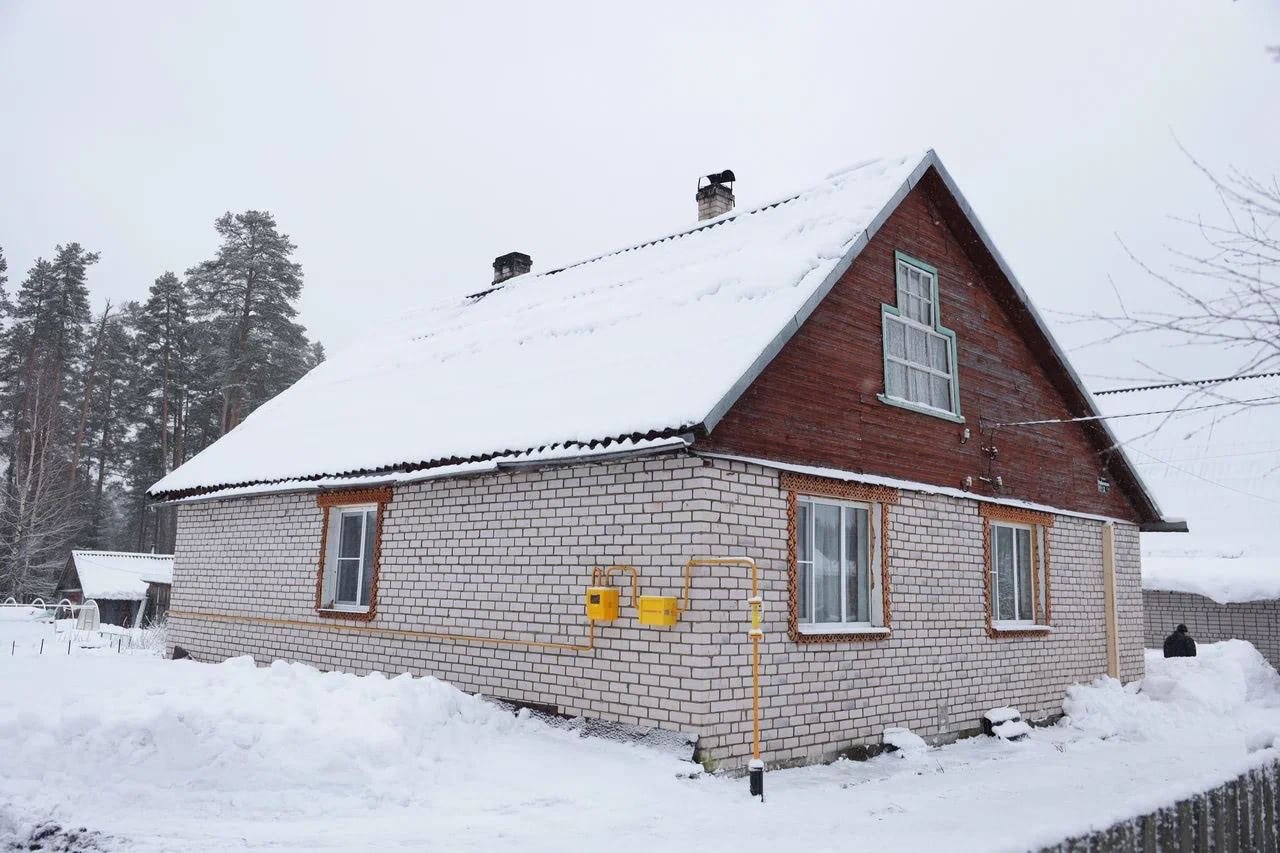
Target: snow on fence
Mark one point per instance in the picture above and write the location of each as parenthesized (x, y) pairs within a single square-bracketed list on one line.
[(1243, 814)]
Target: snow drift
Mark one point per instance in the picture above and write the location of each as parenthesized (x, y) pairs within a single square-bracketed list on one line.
[(1228, 685), (152, 755)]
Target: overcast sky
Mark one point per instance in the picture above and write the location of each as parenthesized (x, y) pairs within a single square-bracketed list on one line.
[(403, 146)]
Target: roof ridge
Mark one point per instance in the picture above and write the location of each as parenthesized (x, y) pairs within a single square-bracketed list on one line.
[(722, 219), (830, 178)]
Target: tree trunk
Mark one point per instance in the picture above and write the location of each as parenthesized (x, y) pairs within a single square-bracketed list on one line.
[(88, 390), (240, 377)]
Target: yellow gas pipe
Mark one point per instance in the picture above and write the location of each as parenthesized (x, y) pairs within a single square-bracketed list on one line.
[(635, 581)]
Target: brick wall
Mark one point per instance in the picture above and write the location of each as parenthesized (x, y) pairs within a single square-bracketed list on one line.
[(1211, 622), (508, 556)]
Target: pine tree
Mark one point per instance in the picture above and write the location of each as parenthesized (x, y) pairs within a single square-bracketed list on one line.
[(246, 295), (42, 361), (164, 332), (4, 278), (112, 417)]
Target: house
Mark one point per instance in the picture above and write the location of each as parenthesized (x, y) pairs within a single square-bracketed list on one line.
[(1215, 461), (127, 587), (834, 384)]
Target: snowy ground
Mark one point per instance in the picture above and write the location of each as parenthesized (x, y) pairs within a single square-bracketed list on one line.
[(176, 755)]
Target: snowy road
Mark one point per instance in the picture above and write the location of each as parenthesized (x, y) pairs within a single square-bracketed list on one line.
[(176, 755)]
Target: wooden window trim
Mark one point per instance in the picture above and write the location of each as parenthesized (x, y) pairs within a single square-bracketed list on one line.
[(824, 487), (327, 501), (1040, 523)]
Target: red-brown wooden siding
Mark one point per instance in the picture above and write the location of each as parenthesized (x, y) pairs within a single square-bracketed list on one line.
[(815, 403)]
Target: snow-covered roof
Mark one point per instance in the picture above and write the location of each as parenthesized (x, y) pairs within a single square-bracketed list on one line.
[(120, 575), (1218, 466), (649, 341), (596, 350)]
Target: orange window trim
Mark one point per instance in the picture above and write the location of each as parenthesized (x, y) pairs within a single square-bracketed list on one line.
[(326, 501), (805, 484), (1038, 521)]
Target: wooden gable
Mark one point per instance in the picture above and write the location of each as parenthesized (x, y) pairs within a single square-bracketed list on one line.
[(817, 402)]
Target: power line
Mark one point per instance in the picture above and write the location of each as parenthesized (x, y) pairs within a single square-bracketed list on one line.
[(1189, 383), (1205, 479), (1136, 414), (1270, 452)]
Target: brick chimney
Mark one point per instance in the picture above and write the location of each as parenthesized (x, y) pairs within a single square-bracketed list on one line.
[(510, 265), (716, 198)]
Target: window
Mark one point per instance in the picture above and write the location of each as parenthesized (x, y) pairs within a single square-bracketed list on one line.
[(348, 579), (1017, 570), (1011, 573), (352, 576), (919, 354)]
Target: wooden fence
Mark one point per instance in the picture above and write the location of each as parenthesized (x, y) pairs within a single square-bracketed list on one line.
[(1242, 815)]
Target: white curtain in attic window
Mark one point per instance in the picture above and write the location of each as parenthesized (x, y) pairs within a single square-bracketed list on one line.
[(917, 364), (915, 294)]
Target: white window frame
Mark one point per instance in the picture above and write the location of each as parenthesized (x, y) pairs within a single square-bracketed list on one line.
[(1037, 577), (332, 557), (874, 578), (894, 314)]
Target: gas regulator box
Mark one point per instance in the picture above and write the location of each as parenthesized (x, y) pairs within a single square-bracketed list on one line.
[(658, 610), (602, 603)]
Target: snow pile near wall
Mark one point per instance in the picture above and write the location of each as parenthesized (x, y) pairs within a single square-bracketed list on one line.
[(160, 755), (1228, 685), (263, 731), (906, 742), (181, 741)]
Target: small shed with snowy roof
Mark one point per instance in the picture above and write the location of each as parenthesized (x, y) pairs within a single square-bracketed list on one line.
[(846, 385), (127, 587)]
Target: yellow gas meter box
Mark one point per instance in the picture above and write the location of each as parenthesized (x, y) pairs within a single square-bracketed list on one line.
[(602, 603), (658, 610)]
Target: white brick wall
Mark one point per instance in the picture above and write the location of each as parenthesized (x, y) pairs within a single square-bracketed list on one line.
[(509, 556), (1211, 622)]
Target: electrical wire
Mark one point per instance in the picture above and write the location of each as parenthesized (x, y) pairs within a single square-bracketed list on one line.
[(1136, 414), (1189, 383), (1205, 479), (1269, 452)]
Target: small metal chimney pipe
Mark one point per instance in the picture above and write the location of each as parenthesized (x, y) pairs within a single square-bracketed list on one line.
[(716, 197), (510, 265)]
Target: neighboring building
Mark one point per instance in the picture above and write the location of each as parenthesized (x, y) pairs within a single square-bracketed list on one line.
[(1212, 621), (130, 589), (1218, 465), (813, 384)]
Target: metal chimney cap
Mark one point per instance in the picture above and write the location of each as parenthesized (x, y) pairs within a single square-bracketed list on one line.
[(725, 177)]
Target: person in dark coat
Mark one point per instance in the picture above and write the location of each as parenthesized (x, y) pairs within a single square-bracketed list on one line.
[(1180, 644)]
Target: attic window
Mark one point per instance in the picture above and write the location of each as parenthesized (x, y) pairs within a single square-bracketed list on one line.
[(919, 353)]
